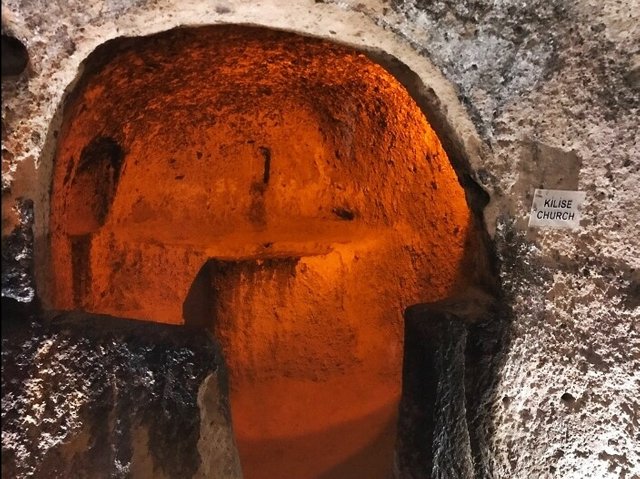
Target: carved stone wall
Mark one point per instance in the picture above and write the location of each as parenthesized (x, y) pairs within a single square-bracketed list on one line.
[(542, 93)]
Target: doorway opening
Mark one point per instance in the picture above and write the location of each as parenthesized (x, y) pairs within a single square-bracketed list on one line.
[(286, 194)]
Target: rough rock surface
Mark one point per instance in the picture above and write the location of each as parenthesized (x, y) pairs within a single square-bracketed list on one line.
[(100, 397), (538, 76), (17, 256), (555, 74)]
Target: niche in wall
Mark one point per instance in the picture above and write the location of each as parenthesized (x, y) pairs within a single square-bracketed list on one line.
[(286, 194)]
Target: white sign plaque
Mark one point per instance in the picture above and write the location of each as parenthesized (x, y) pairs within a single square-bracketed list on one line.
[(556, 208)]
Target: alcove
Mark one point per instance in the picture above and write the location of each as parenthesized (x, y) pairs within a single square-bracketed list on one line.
[(285, 193)]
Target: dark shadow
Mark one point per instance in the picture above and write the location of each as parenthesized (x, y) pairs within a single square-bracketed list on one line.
[(417, 405), (92, 185), (197, 309), (15, 56), (433, 438)]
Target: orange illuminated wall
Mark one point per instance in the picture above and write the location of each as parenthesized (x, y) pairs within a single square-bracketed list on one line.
[(284, 192)]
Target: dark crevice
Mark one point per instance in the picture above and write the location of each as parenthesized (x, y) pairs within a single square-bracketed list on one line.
[(344, 213), (266, 154)]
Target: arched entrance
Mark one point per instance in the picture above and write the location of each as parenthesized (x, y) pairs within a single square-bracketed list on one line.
[(285, 193)]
